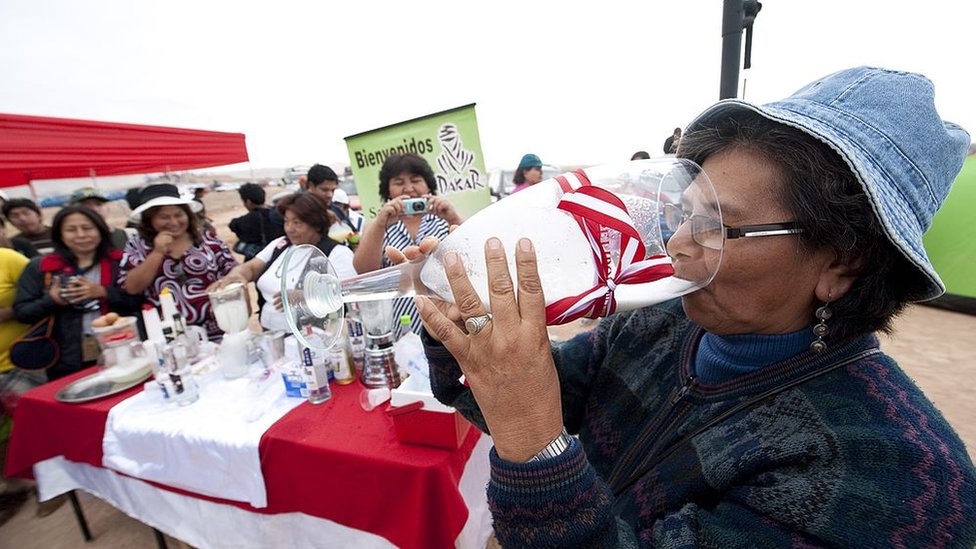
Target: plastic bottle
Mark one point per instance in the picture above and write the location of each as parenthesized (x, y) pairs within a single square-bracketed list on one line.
[(168, 307), (316, 377)]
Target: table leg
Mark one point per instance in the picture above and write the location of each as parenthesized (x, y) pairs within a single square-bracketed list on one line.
[(79, 516), (160, 539)]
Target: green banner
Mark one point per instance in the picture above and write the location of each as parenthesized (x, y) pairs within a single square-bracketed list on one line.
[(449, 142), (951, 241)]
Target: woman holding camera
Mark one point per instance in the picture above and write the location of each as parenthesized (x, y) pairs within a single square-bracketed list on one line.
[(76, 284), (412, 211)]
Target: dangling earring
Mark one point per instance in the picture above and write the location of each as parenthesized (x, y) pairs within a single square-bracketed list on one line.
[(820, 330)]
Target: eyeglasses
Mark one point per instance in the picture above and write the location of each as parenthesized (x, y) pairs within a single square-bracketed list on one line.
[(708, 232)]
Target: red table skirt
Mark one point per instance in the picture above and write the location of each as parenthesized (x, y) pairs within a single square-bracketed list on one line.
[(331, 460)]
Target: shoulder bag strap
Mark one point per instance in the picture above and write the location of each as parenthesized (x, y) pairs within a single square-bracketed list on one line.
[(264, 237), (641, 471), (50, 317)]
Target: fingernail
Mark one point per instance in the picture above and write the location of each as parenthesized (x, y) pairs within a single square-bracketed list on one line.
[(450, 259), (494, 244), (418, 302), (525, 245)]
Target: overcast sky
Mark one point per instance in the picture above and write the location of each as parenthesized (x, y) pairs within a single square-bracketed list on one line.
[(577, 83)]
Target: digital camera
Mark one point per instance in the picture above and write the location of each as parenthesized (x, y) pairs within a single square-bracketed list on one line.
[(414, 206)]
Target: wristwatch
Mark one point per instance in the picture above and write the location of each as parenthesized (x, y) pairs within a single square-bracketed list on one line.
[(559, 445)]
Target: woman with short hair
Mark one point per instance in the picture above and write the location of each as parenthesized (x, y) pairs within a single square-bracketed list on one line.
[(412, 211), (307, 221)]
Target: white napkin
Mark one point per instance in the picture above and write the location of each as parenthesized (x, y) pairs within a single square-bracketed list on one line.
[(209, 447)]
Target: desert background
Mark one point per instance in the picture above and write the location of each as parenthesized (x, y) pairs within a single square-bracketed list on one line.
[(937, 348)]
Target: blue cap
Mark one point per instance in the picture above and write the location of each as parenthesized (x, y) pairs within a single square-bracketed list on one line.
[(884, 124), (529, 161)]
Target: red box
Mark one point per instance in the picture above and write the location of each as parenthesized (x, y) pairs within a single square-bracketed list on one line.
[(420, 419), (441, 429)]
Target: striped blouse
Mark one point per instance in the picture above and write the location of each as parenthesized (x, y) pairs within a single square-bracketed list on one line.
[(398, 237)]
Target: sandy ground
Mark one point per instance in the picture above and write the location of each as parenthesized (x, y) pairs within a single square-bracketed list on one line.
[(936, 348)]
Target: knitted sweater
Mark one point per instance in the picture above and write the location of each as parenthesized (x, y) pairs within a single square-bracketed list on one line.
[(855, 457)]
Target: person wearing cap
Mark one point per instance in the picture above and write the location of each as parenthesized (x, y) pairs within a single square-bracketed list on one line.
[(349, 227), (254, 229), (173, 252), (92, 198), (26, 217), (528, 173), (759, 410)]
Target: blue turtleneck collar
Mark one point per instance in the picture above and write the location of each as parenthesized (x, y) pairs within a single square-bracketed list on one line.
[(722, 358)]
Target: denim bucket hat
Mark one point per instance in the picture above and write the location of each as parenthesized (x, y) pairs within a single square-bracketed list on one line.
[(884, 124)]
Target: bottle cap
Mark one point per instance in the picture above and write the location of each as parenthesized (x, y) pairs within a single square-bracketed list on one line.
[(405, 320)]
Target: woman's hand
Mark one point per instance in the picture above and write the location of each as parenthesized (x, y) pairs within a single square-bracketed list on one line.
[(391, 211), (163, 243), (443, 208), (508, 364), (228, 279), (55, 292), (81, 290)]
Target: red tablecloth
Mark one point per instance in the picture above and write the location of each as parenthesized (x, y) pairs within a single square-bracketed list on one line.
[(333, 461)]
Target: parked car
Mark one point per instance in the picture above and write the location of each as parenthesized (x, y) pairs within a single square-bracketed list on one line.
[(500, 182), (293, 173)]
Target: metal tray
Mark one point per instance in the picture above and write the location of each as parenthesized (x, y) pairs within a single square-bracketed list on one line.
[(97, 386)]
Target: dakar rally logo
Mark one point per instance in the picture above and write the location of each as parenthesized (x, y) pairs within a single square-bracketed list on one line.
[(457, 169)]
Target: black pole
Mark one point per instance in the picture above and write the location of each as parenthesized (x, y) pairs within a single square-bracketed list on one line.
[(732, 20)]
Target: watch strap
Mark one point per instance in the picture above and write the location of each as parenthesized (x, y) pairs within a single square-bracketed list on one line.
[(558, 445)]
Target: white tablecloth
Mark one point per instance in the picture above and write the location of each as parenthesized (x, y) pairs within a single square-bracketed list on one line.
[(209, 447), (207, 524)]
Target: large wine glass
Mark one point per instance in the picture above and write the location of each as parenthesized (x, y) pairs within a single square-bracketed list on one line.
[(601, 237)]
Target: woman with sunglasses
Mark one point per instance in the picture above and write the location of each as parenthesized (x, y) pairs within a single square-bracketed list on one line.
[(307, 221), (172, 251), (759, 410), (75, 283)]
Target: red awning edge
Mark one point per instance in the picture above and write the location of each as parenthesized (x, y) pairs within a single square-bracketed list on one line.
[(36, 147)]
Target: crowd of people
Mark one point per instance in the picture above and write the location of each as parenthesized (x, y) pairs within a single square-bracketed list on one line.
[(79, 267)]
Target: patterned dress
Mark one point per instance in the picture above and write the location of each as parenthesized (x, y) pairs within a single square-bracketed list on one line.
[(187, 278), (398, 237)]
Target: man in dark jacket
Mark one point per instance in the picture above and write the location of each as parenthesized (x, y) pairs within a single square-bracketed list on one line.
[(254, 230)]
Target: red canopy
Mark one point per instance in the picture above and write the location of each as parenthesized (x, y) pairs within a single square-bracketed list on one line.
[(35, 147)]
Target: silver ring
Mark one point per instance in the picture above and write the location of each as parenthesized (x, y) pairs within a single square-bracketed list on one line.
[(476, 323)]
